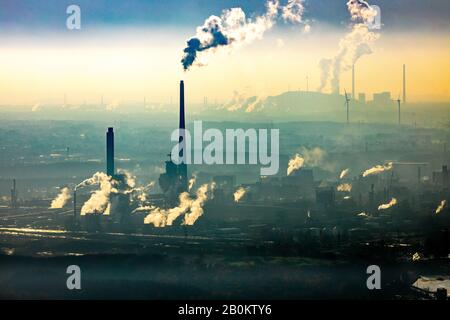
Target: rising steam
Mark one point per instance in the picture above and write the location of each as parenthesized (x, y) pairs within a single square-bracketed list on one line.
[(363, 214), (239, 193), (233, 29), (314, 157), (191, 208), (344, 187), (99, 200), (344, 173), (295, 163), (293, 11), (441, 206), (192, 182), (385, 206), (355, 44), (196, 210), (378, 169), (61, 199)]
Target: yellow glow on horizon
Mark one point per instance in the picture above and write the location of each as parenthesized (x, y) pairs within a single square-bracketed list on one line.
[(129, 70)]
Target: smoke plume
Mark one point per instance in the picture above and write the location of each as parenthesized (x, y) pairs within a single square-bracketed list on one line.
[(385, 206), (441, 206), (61, 199), (239, 193), (192, 182), (95, 179), (191, 208), (344, 187), (196, 210), (344, 173), (131, 187), (378, 169), (141, 192), (233, 29), (363, 214), (314, 157), (295, 163), (355, 44), (99, 200), (293, 11)]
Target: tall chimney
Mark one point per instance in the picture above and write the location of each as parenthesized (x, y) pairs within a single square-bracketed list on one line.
[(110, 152), (182, 168), (182, 120), (14, 195), (404, 84), (353, 83), (75, 204)]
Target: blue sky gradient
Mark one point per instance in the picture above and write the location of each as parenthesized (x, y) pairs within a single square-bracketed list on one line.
[(49, 15)]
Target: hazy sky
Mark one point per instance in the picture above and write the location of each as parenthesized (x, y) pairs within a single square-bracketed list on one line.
[(128, 50)]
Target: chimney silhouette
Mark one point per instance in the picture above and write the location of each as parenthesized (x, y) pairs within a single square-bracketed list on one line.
[(182, 168), (14, 195), (110, 152)]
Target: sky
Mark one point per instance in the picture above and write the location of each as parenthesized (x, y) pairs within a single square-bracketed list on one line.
[(128, 50)]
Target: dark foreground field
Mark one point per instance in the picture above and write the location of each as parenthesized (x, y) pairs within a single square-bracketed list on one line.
[(205, 277)]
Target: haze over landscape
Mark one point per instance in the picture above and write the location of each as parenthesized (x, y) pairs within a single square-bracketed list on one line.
[(354, 114)]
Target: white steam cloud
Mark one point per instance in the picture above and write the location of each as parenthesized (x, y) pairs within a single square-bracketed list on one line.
[(99, 200), (378, 169), (344, 173), (314, 157), (355, 44), (191, 182), (234, 29), (344, 187), (192, 209), (293, 11), (295, 163), (61, 199), (363, 214), (239, 193), (385, 206), (441, 206)]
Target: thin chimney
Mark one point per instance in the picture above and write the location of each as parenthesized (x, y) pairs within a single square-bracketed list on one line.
[(183, 166), (110, 152)]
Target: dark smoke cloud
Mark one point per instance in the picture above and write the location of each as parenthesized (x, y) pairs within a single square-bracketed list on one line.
[(233, 28), (212, 27)]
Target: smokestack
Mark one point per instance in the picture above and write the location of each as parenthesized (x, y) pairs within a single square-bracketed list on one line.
[(353, 83), (182, 120), (404, 83), (182, 167), (110, 152), (75, 204), (14, 195)]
